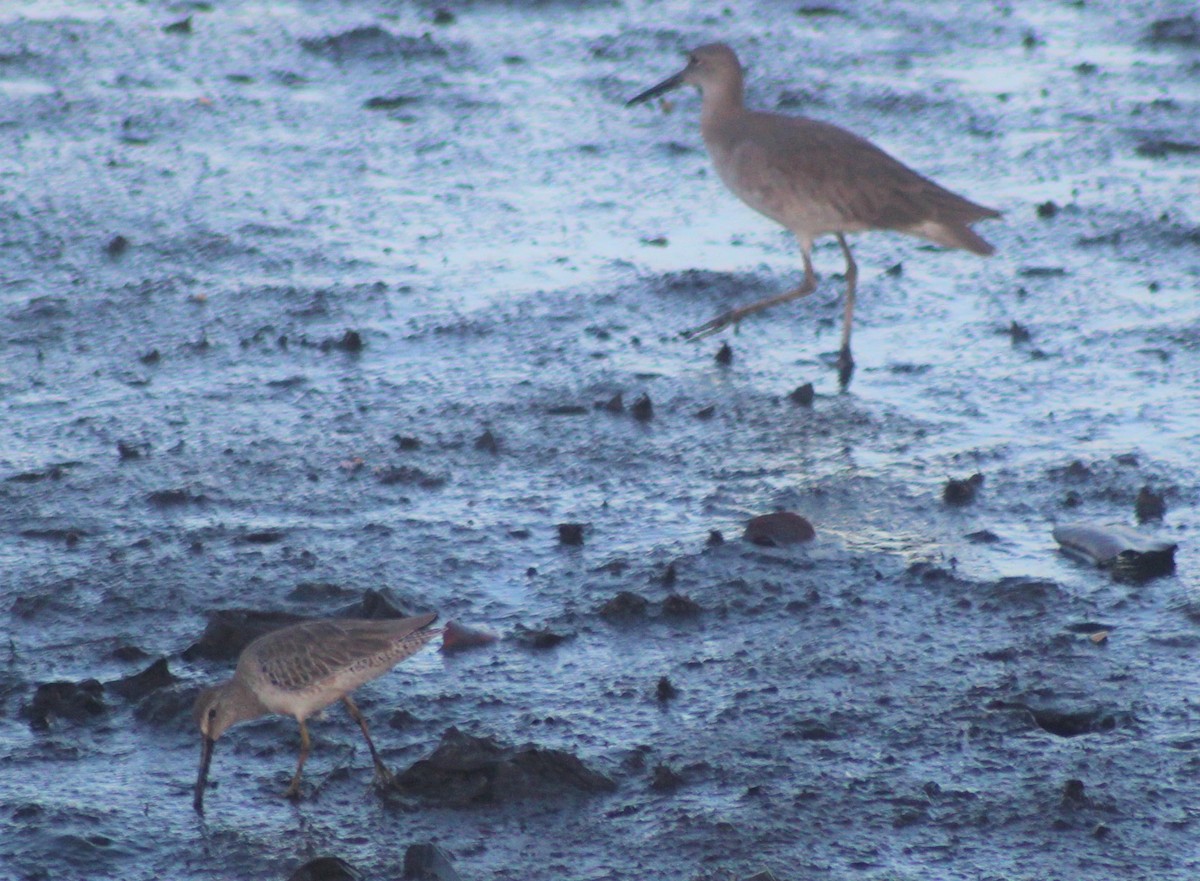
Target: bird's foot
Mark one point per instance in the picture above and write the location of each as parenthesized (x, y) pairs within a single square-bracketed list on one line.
[(718, 324), (383, 776), (845, 366), (293, 791)]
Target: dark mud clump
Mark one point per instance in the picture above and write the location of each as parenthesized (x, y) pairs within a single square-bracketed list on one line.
[(70, 701), (466, 770)]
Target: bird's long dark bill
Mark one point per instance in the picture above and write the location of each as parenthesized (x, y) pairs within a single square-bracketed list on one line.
[(654, 91), (206, 751)]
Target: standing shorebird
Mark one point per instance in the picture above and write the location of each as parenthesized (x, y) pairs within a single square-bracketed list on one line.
[(301, 669), (815, 179)]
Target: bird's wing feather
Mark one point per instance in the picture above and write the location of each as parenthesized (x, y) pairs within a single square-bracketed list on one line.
[(781, 163), (301, 656)]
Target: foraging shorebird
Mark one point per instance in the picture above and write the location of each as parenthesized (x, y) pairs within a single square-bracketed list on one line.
[(815, 179), (301, 669)]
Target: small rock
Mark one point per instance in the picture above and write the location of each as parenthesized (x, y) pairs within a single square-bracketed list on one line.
[(533, 638), (724, 355), (665, 691), (406, 443), (961, 492), (624, 606), (706, 413), (642, 409), (1046, 210), (351, 341), (487, 442), (428, 862), (73, 701), (183, 26), (665, 779), (137, 686), (802, 395), (1073, 793), (715, 538), (570, 534), (779, 528), (615, 404), (230, 630), (1149, 505), (116, 246), (458, 636), (670, 576), (442, 17), (679, 606)]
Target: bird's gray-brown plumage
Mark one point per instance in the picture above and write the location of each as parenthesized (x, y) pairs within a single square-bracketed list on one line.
[(815, 179), (301, 669)]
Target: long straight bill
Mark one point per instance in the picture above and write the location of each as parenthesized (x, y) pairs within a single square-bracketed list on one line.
[(206, 752), (654, 91)]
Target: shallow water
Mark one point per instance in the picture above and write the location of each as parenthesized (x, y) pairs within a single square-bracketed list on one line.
[(508, 239)]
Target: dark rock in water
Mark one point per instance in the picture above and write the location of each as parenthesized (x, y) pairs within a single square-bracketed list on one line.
[(532, 638), (665, 779), (615, 404), (137, 686), (642, 409), (724, 355), (487, 442), (665, 691), (1128, 554), (1149, 505), (169, 707), (263, 537), (570, 534), (676, 605), (625, 606), (127, 452), (183, 26), (351, 341), (376, 605), (389, 102), (1073, 721), (169, 498), (715, 538), (802, 395), (372, 41), (706, 413), (670, 576), (406, 442), (982, 537), (406, 475), (428, 862), (116, 246), (1183, 30), (1046, 210), (466, 770), (230, 630), (72, 701), (129, 653), (961, 492), (1161, 149), (326, 869), (457, 637), (779, 528), (1073, 794)]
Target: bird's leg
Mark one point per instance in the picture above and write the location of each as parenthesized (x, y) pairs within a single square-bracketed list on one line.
[(293, 791), (845, 359), (381, 770), (733, 316)]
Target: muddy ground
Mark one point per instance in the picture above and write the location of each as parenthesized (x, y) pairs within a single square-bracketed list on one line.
[(302, 299)]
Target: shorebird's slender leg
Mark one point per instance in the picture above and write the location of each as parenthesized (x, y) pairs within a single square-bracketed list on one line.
[(293, 791), (381, 770), (845, 359), (733, 316)]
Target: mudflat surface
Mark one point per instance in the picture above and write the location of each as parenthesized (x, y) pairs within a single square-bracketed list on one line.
[(304, 299)]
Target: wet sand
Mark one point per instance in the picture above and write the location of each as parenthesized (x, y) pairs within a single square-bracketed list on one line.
[(302, 300)]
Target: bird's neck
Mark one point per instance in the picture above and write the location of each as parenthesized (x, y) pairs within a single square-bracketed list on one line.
[(244, 703), (721, 102)]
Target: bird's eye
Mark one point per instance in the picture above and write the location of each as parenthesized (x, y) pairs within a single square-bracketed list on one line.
[(212, 713)]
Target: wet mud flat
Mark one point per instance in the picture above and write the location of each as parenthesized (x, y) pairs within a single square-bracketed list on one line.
[(314, 309)]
